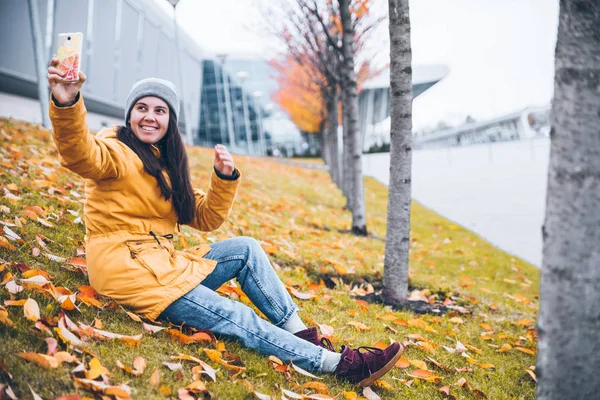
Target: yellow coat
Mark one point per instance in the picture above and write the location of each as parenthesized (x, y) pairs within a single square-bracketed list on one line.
[(123, 204)]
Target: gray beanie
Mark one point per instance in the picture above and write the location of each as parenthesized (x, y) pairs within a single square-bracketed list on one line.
[(156, 87)]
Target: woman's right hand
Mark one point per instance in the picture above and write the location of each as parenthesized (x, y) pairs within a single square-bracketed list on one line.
[(63, 92)]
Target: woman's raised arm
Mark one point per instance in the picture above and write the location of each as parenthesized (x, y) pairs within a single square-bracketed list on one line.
[(80, 151)]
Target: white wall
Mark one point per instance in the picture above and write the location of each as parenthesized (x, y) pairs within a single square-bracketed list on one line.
[(496, 190), (26, 109)]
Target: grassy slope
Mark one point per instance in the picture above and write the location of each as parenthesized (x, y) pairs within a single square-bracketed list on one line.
[(298, 215)]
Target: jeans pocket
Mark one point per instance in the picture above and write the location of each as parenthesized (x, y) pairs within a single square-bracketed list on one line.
[(154, 258)]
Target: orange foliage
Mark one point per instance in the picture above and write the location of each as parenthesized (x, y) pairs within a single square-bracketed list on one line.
[(299, 95)]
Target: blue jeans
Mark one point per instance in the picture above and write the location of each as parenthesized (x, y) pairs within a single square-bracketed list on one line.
[(202, 308)]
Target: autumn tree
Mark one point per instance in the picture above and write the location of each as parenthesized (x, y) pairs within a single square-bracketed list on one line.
[(395, 275), (312, 32), (569, 319)]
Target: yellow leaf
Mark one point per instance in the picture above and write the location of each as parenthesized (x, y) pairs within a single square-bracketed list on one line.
[(418, 364), (505, 348), (4, 318), (318, 386), (165, 390), (214, 355), (96, 369), (383, 384), (350, 395)]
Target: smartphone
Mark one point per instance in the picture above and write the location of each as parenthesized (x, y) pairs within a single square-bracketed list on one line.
[(68, 52)]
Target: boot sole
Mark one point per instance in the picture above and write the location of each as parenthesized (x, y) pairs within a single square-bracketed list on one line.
[(386, 368)]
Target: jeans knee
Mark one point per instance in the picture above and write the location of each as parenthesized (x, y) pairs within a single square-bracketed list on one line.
[(250, 245)]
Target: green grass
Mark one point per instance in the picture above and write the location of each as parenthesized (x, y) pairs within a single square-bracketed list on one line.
[(298, 216)]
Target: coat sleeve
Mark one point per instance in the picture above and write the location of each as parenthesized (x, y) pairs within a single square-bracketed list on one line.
[(80, 151), (214, 206)]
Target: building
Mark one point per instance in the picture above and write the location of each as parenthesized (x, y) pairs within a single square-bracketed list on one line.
[(124, 41), (374, 101)]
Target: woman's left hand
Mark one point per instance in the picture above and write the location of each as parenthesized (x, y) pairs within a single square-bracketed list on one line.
[(223, 161)]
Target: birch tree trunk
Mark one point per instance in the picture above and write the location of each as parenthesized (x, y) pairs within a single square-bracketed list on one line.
[(332, 126), (359, 221), (347, 166), (395, 273), (569, 319)]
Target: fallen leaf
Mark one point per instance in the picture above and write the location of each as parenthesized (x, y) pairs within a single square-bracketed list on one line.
[(370, 394), (524, 350), (31, 310), (43, 360), (152, 328), (291, 394), (381, 383), (360, 326), (63, 356), (6, 244), (34, 394), (299, 295), (4, 317), (52, 346), (402, 363), (419, 364), (318, 386), (173, 366), (326, 330), (96, 369), (425, 375), (505, 348), (12, 287), (304, 372), (133, 316), (261, 396), (155, 378)]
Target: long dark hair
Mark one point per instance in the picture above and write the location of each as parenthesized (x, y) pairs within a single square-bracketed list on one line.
[(174, 160)]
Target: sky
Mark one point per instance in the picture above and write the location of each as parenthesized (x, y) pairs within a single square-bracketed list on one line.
[(500, 54)]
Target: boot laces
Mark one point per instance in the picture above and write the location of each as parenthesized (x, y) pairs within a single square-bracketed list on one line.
[(363, 356), (325, 342)]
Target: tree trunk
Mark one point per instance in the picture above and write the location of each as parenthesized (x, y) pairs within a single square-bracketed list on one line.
[(359, 220), (569, 318), (324, 143), (346, 154), (332, 126), (397, 243)]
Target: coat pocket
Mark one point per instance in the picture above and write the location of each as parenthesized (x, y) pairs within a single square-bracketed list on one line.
[(154, 258)]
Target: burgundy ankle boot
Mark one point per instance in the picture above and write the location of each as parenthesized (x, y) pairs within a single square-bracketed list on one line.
[(365, 368)]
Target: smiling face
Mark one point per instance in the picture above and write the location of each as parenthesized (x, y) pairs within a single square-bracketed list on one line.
[(149, 119)]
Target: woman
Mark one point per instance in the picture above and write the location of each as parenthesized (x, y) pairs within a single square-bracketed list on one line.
[(138, 192)]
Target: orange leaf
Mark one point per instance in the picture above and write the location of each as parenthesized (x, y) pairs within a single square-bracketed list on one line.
[(40, 359), (360, 326), (426, 376), (402, 363)]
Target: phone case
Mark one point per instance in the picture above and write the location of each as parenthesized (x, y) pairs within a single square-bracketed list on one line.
[(68, 53)]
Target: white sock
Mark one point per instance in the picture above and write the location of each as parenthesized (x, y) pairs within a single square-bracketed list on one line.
[(330, 361), (294, 324)]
